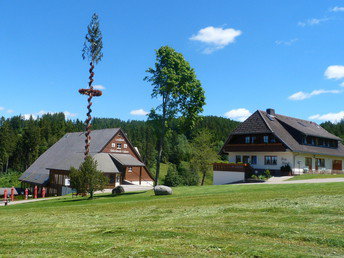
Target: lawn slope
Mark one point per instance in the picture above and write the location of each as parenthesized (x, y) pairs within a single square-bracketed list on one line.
[(237, 220)]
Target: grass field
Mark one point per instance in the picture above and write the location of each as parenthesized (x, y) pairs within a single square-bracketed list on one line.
[(314, 176), (231, 220)]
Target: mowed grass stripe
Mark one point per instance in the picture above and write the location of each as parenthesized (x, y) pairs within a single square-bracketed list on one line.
[(248, 220)]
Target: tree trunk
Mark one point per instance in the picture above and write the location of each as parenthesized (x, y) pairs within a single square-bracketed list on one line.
[(203, 177), (91, 194), (158, 160), (7, 165)]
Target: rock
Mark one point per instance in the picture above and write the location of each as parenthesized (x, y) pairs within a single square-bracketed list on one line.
[(118, 190), (162, 190)]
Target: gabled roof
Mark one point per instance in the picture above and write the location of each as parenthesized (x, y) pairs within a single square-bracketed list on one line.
[(261, 122), (67, 152), (253, 124), (276, 124)]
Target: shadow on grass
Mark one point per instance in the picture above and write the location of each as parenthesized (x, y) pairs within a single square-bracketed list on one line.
[(78, 199)]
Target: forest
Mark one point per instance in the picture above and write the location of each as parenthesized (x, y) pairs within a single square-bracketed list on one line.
[(23, 141)]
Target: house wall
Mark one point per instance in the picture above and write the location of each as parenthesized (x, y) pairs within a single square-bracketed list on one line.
[(287, 157), (302, 159), (134, 176), (131, 176), (283, 158), (227, 177)]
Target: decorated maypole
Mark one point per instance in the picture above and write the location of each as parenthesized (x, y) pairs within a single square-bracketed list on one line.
[(92, 51)]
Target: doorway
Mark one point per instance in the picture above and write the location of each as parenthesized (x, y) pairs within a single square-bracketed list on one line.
[(337, 165), (308, 163)]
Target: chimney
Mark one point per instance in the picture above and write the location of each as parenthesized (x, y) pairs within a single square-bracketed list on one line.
[(271, 112)]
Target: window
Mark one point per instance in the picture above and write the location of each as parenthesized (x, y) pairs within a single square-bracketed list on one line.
[(125, 146), (130, 169), (119, 145), (237, 158), (113, 145), (112, 179), (253, 160), (270, 160), (246, 159), (247, 139), (266, 139), (320, 163), (253, 139), (273, 140), (118, 178)]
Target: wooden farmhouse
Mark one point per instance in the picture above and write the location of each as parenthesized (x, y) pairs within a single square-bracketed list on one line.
[(116, 157), (269, 141)]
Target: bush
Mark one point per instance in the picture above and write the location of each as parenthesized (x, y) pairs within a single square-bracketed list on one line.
[(188, 175), (286, 168), (172, 177), (10, 178)]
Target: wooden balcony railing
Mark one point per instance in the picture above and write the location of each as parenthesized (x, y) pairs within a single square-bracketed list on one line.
[(232, 167)]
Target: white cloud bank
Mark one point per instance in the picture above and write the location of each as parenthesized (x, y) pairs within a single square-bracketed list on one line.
[(305, 95), (311, 22), (42, 112), (2, 108), (240, 114), (333, 117), (337, 9), (216, 38), (99, 87), (139, 112), (334, 72)]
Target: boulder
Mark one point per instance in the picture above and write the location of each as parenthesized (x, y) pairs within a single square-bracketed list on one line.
[(162, 190), (118, 190)]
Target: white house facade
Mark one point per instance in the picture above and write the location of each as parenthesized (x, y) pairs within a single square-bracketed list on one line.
[(268, 141)]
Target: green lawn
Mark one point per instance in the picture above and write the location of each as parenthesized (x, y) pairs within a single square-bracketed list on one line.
[(230, 220), (313, 176)]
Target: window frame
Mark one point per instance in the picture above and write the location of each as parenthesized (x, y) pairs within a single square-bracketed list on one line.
[(273, 160)]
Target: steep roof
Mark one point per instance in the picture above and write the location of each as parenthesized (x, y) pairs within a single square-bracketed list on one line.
[(253, 124), (275, 123), (67, 152)]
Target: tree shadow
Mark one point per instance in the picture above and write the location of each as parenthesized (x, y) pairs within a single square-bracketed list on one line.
[(103, 196)]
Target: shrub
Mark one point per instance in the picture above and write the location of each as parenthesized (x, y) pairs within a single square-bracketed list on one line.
[(172, 177), (189, 176)]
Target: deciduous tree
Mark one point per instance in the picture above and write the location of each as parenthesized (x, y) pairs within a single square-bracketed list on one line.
[(176, 85)]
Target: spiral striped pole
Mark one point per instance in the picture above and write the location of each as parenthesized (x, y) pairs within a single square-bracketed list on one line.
[(90, 92)]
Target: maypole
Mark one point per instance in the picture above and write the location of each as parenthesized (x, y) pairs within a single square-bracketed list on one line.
[(91, 51)]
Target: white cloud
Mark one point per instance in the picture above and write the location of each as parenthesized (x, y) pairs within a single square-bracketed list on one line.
[(342, 84), (240, 114), (99, 87), (27, 116), (138, 112), (334, 72), (42, 112), (286, 43), (216, 38), (337, 9), (2, 108), (305, 95), (311, 22), (333, 117), (10, 111)]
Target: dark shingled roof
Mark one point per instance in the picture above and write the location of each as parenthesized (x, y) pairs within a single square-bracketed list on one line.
[(67, 152), (253, 124), (275, 123)]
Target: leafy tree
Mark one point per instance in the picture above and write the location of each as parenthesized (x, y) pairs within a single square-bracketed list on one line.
[(203, 153), (181, 94), (88, 179)]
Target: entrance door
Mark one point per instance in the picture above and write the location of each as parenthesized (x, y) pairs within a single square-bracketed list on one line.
[(337, 165), (308, 163)]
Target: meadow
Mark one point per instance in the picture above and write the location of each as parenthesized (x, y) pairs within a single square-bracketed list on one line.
[(232, 220)]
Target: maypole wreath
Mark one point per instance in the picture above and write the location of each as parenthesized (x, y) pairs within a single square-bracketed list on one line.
[(92, 51)]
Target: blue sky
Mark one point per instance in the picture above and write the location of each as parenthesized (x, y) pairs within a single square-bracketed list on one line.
[(287, 55)]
